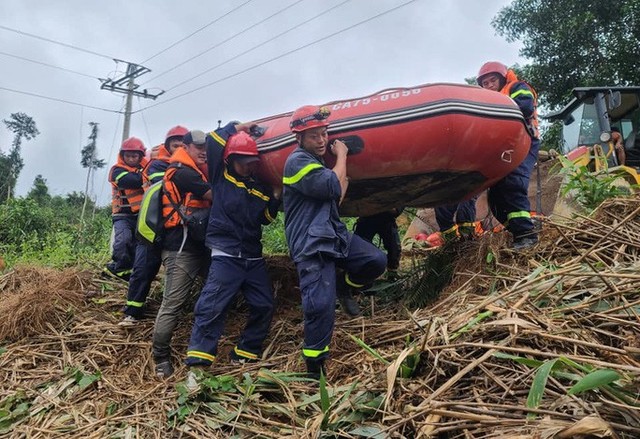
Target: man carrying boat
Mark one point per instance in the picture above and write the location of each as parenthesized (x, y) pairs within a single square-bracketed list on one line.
[(318, 241), (508, 198)]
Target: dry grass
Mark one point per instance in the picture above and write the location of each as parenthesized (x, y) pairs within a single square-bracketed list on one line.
[(575, 297)]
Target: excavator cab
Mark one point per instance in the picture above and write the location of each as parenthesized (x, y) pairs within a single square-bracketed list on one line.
[(588, 123)]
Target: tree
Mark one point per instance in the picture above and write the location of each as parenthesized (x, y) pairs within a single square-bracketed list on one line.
[(90, 161), (23, 128), (40, 191), (574, 43)]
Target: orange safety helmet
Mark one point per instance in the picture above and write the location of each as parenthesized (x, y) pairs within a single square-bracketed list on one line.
[(309, 116), (241, 144), (133, 144), (176, 131), (491, 67)]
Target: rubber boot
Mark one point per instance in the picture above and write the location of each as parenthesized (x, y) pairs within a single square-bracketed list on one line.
[(315, 367)]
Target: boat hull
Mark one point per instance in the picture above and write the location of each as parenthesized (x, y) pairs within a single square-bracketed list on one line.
[(422, 146)]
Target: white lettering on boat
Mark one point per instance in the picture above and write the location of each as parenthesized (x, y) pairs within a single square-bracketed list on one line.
[(382, 98)]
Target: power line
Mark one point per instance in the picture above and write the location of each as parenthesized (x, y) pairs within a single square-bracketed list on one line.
[(177, 65), (70, 46), (146, 127), (258, 46), (255, 66), (196, 31), (57, 100), (48, 65)]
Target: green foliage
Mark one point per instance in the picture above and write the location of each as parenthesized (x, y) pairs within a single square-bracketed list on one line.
[(23, 127), (273, 238), (574, 43), (563, 368), (552, 137), (589, 188), (13, 409), (40, 191), (51, 234)]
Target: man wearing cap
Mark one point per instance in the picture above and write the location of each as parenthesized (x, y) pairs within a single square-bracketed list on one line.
[(242, 206), (186, 192), (147, 261)]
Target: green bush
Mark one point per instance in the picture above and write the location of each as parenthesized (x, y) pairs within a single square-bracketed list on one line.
[(51, 234)]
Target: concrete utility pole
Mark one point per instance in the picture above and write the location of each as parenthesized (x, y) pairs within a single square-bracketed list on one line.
[(116, 85)]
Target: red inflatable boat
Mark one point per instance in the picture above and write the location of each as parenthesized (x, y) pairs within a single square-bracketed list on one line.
[(422, 146)]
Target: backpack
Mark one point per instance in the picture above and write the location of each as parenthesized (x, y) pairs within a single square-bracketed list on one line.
[(150, 224)]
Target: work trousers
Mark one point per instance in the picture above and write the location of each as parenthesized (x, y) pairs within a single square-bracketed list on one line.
[(387, 229), (449, 215), (182, 269), (363, 264), (145, 268), (509, 197), (227, 276), (123, 247)]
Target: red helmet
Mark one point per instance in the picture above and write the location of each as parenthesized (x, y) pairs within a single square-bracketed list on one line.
[(133, 144), (491, 67), (176, 131), (309, 116), (241, 144)]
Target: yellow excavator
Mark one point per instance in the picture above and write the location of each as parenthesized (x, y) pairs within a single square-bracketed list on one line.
[(594, 122), (597, 119)]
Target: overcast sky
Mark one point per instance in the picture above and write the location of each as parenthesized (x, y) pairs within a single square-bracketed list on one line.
[(242, 68)]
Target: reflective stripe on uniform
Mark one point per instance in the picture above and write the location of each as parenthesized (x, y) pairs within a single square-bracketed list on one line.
[(120, 175), (313, 353), (352, 283), (156, 175), (519, 214), (521, 92), (217, 138), (135, 304), (245, 354), (240, 184), (201, 355), (301, 173)]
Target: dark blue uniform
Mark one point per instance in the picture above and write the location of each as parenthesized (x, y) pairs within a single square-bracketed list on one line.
[(148, 259), (127, 194), (241, 205), (457, 218), (384, 225), (319, 242), (509, 197)]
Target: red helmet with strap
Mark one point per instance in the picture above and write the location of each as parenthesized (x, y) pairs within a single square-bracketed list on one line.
[(176, 131), (309, 116), (133, 144), (241, 144), (491, 67)]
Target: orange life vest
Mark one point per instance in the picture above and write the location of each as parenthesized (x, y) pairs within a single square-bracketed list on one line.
[(532, 121), (172, 200), (122, 199)]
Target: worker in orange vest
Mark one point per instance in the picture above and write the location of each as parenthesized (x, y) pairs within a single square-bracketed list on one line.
[(148, 259), (509, 197), (126, 183)]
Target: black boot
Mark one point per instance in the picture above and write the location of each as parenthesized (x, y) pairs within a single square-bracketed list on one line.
[(315, 368), (345, 297)]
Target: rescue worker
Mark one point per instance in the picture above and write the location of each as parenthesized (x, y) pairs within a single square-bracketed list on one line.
[(186, 192), (457, 220), (126, 194), (242, 206), (618, 146), (318, 241), (508, 198), (384, 225), (148, 259)]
